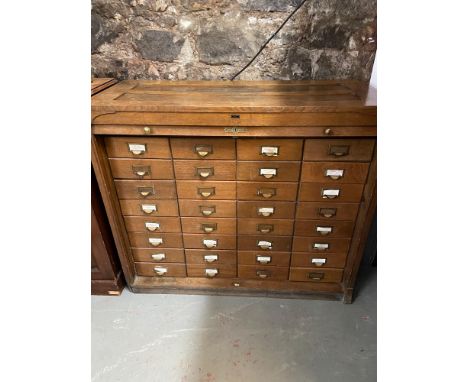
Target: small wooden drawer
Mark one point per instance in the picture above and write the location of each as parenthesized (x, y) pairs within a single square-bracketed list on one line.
[(264, 243), (141, 169), (269, 149), (146, 189), (202, 256), (316, 260), (267, 171), (266, 210), (213, 242), (205, 169), (212, 226), (316, 275), (327, 211), (206, 190), (260, 226), (152, 224), (200, 148), (166, 255), (160, 270), (212, 271), (323, 228), (155, 240), (260, 258), (339, 149), (149, 207), (267, 191), (336, 172), (320, 245), (263, 273), (137, 147), (330, 192), (212, 208)]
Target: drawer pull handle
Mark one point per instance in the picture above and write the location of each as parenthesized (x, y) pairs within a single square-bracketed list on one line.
[(265, 228), (334, 174), (338, 150), (155, 241), (158, 256), (205, 172), (203, 150), (208, 228), (268, 173), (263, 259), (327, 212), (150, 226), (324, 230), (316, 276), (266, 211), (263, 244), (210, 258), (207, 211), (206, 192), (330, 193), (321, 247), (270, 151), (141, 170), (136, 148), (145, 191), (263, 274), (149, 208), (266, 192), (318, 262), (211, 272), (210, 243), (160, 271)]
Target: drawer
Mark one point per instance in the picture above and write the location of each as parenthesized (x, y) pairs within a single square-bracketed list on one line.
[(265, 210), (212, 208), (265, 243), (339, 149), (210, 226), (145, 189), (269, 149), (212, 271), (213, 242), (260, 258), (335, 172), (267, 171), (160, 270), (323, 228), (317, 260), (263, 273), (320, 245), (327, 211), (205, 169), (137, 147), (202, 256), (141, 169), (200, 148), (260, 226), (204, 190), (266, 191), (166, 255), (330, 192), (149, 207), (155, 240), (152, 224), (316, 275)]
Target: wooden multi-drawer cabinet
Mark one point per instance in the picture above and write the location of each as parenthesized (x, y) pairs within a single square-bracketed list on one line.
[(264, 187)]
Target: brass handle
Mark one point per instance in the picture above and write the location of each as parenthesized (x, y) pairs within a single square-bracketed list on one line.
[(321, 246), (334, 174), (211, 272), (209, 227), (324, 231), (316, 275), (263, 244), (149, 208), (318, 262), (160, 271), (155, 241), (150, 226), (268, 173), (327, 212), (205, 172), (265, 228), (147, 130), (270, 151), (203, 150), (263, 274), (266, 211), (210, 243), (137, 148), (207, 211), (330, 193), (145, 191), (263, 259), (266, 192), (338, 150), (210, 258), (158, 256), (141, 170), (206, 192)]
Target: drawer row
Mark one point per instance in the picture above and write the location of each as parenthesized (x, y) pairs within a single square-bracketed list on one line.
[(241, 149)]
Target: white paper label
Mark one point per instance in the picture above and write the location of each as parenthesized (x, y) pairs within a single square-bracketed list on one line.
[(268, 171), (266, 210), (263, 259), (211, 258), (149, 207), (331, 192), (324, 229), (270, 150), (211, 272), (152, 226), (137, 148), (158, 256), (338, 173), (319, 261), (160, 270), (264, 243), (320, 246), (210, 243), (155, 240)]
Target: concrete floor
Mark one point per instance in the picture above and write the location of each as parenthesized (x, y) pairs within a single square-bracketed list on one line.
[(142, 338)]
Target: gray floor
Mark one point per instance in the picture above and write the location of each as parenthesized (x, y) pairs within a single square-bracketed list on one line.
[(144, 338)]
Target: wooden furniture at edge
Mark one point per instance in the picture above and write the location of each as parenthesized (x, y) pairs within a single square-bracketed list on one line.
[(106, 273), (244, 187)]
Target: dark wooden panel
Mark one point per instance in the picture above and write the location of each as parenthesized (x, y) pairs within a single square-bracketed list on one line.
[(263, 273), (338, 149), (321, 275)]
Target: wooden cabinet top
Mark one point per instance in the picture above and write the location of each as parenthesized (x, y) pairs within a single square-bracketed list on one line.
[(99, 84)]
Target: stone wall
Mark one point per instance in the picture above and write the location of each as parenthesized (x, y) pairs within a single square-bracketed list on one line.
[(213, 39)]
